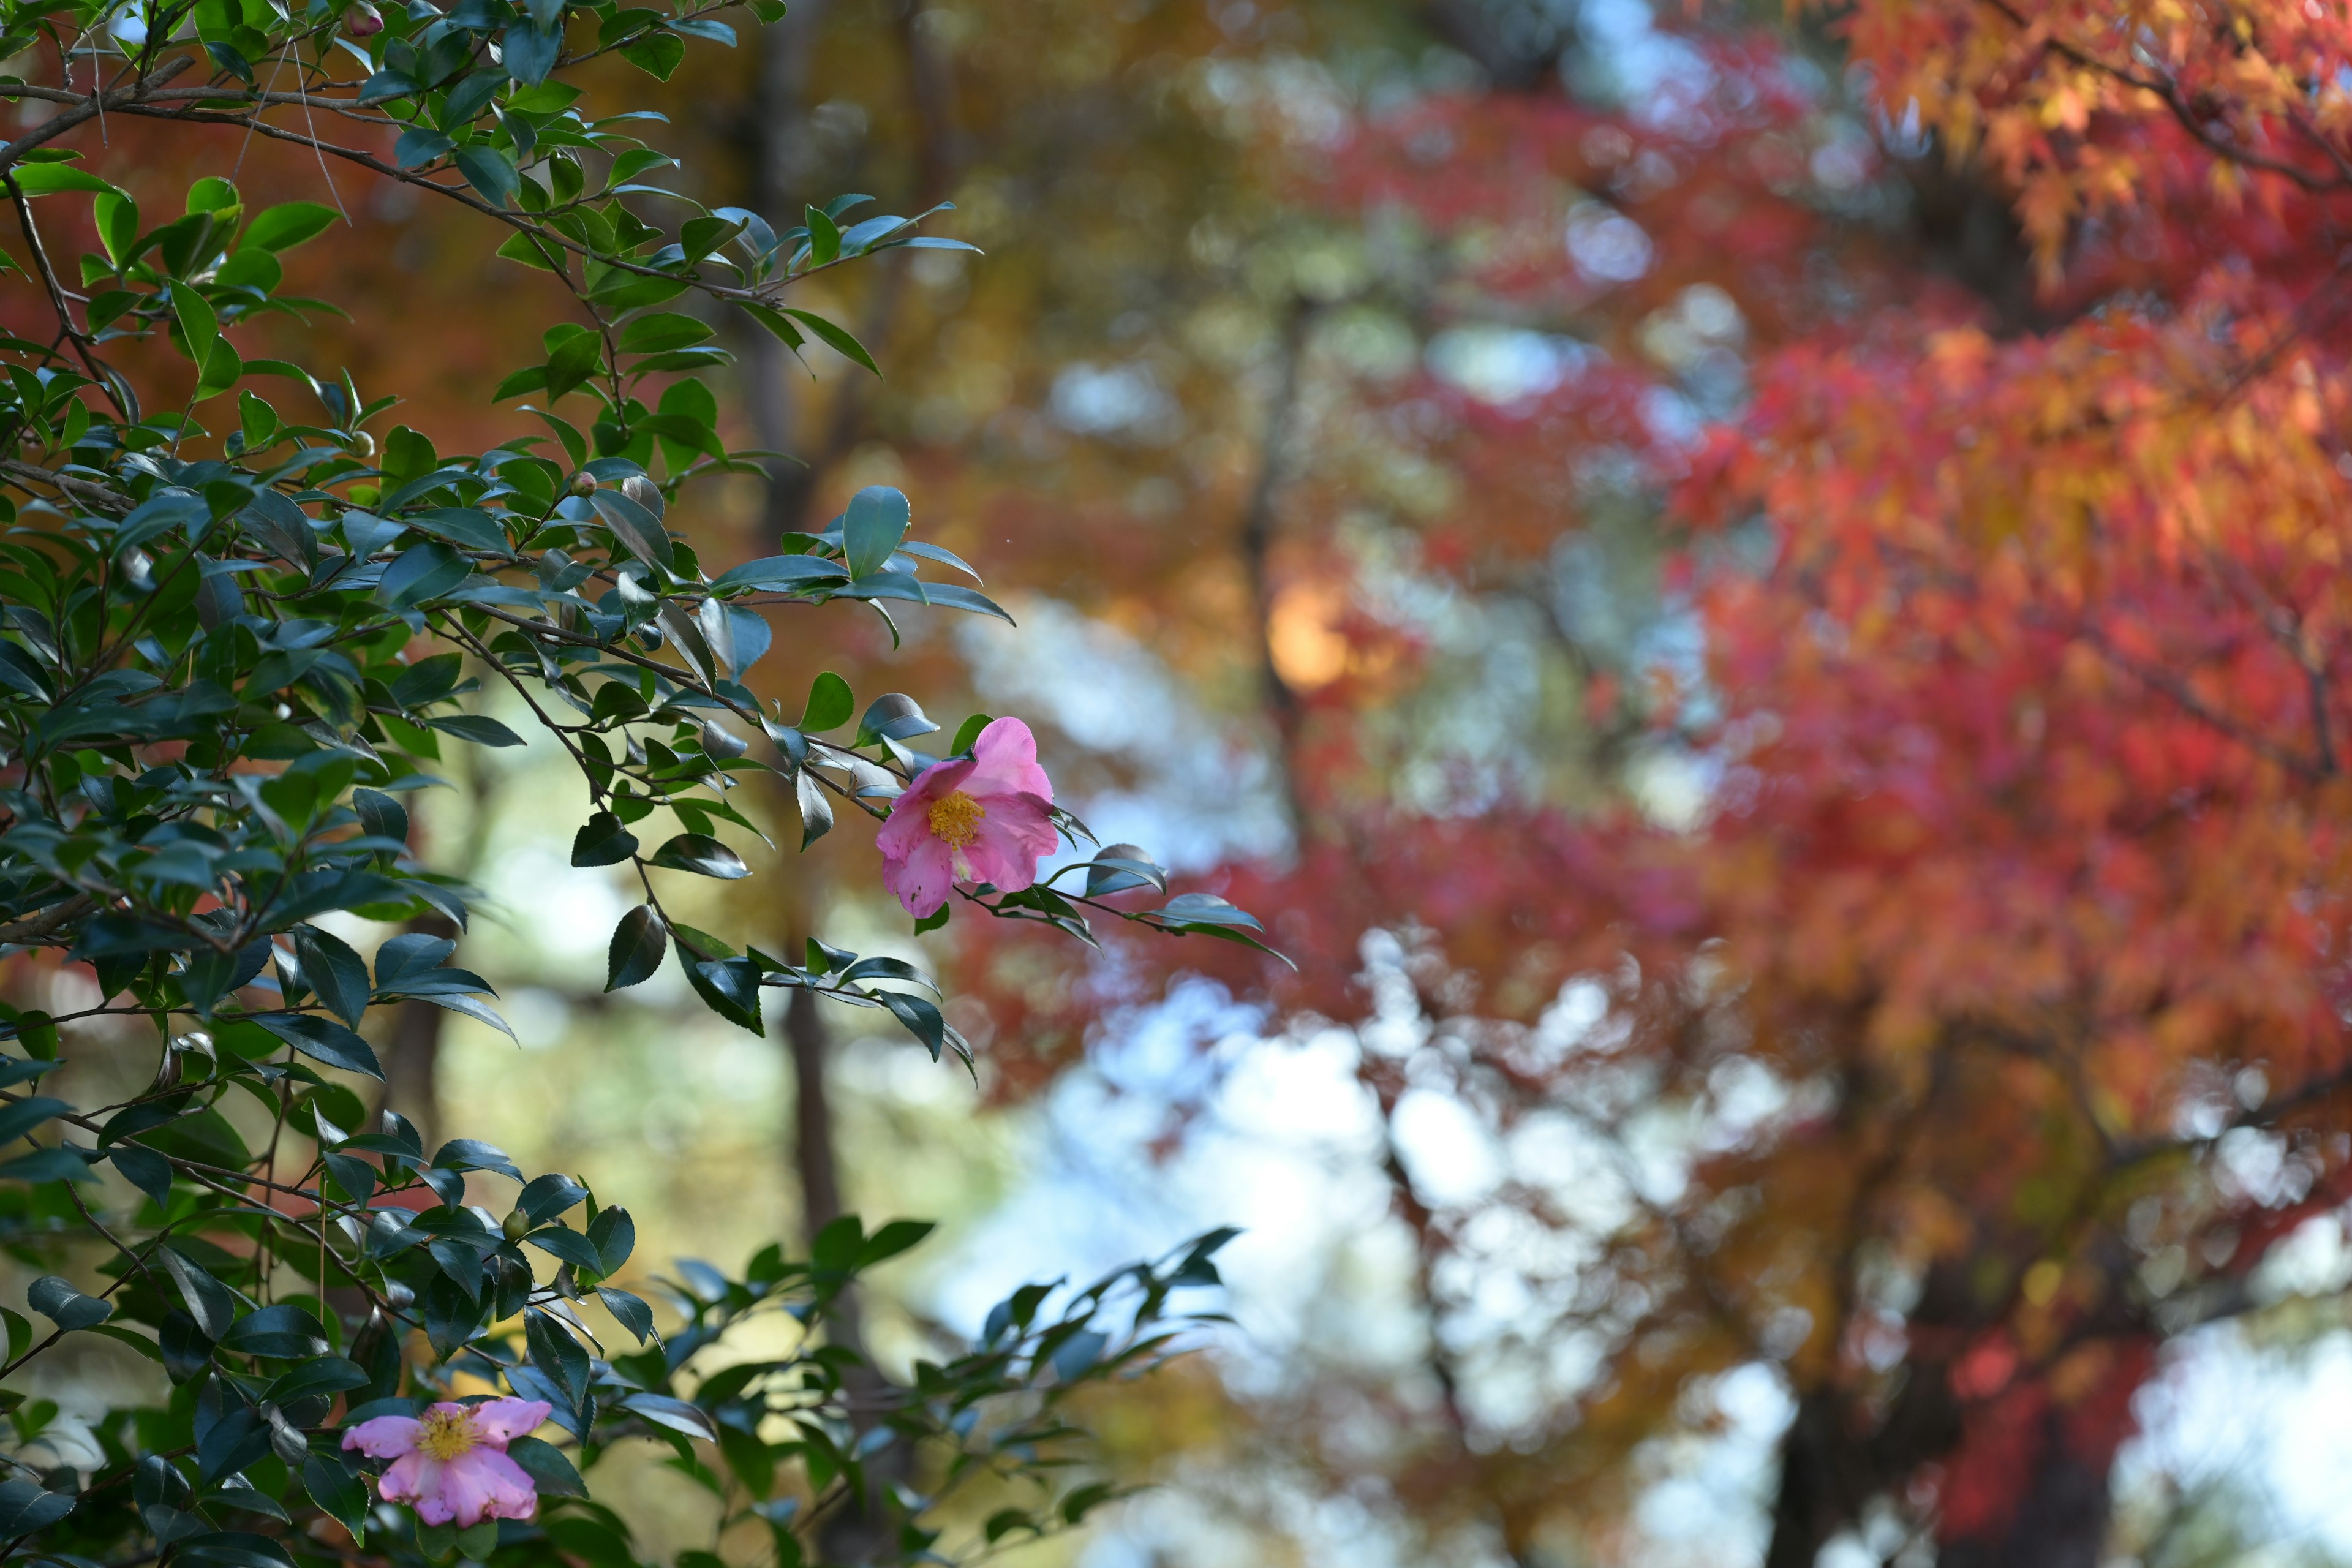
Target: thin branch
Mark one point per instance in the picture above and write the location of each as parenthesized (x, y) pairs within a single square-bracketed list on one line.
[(84, 108)]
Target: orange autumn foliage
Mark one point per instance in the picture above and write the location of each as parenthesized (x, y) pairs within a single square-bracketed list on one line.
[(2001, 984)]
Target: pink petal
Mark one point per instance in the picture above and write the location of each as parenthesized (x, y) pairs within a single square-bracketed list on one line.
[(385, 1437), (920, 878), (498, 1420), (409, 1477), (911, 814), (1006, 759), (485, 1484), (1008, 842)]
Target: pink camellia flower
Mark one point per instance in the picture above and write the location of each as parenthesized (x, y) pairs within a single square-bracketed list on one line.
[(452, 1462), (982, 819)]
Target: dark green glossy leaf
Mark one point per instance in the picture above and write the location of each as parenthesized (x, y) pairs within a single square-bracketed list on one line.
[(703, 856), (322, 1040), (871, 529), (603, 841), (639, 941), (58, 1300)]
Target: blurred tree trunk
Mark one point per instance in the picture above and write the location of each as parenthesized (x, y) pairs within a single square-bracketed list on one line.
[(1260, 514), (412, 1057), (783, 171), (2051, 1504), (411, 1053), (786, 177), (788, 419)]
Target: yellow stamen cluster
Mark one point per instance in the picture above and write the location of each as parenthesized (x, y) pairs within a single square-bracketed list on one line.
[(448, 1434), (955, 819)]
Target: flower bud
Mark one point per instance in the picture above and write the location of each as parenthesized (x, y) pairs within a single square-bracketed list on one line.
[(363, 20), (517, 1224), (584, 483), (363, 444)]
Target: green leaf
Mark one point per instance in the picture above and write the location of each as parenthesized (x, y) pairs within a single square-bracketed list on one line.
[(619, 289), (338, 1493), (327, 1375), (615, 1235), (20, 1117), (520, 247), (213, 194), (1206, 909), (837, 1247), (555, 1352), (703, 856), (908, 586), (475, 1543), (871, 529), (638, 943), (42, 1166), (731, 988), (480, 729), (335, 974), (205, 1135), (835, 337), (638, 530), (603, 841), (753, 1462), (574, 359), (656, 56), (48, 179), (893, 1239), (774, 319), (628, 1311), (282, 1331), (118, 224), (287, 225), (690, 1420), (824, 238), (661, 332), (322, 1041), (419, 146), (569, 1245), (531, 50), (816, 810), (197, 323), (146, 1169), (420, 573), (830, 703), (68, 1309), (550, 1470), (782, 573), (967, 735), (922, 1019), (489, 171), (894, 716), (24, 1506)]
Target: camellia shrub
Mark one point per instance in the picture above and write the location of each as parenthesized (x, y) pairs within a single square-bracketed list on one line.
[(241, 624)]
